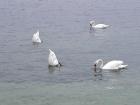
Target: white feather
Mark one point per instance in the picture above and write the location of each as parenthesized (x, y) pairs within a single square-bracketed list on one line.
[(97, 26), (36, 38), (52, 59), (113, 65)]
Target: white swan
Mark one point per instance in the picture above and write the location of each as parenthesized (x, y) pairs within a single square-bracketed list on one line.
[(52, 59), (112, 65), (36, 38), (98, 26)]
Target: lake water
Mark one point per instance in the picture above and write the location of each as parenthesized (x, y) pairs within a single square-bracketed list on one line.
[(25, 78)]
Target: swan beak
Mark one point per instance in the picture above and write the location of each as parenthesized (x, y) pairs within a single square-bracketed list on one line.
[(95, 65), (90, 25)]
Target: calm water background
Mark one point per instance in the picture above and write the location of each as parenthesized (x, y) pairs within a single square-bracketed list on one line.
[(25, 78)]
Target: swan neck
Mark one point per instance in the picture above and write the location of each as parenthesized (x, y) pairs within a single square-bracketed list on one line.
[(101, 66), (92, 23)]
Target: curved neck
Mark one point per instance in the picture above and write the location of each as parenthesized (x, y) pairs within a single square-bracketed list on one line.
[(92, 23), (100, 60)]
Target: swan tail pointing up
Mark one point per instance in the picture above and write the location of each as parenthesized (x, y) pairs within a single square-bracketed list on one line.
[(52, 59)]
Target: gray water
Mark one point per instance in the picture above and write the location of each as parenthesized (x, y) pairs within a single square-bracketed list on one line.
[(25, 78)]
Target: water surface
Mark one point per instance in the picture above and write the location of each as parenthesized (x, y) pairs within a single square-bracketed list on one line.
[(64, 27)]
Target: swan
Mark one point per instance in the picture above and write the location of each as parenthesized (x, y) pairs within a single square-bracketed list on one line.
[(36, 38), (112, 65), (52, 59), (97, 26)]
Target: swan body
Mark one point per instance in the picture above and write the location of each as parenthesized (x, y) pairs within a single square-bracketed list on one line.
[(52, 59), (98, 26), (36, 38), (113, 65)]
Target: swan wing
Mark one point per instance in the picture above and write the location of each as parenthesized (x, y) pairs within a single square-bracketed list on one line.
[(92, 22), (101, 26), (115, 64)]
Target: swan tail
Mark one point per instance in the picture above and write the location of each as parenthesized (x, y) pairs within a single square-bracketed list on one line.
[(108, 25), (123, 66)]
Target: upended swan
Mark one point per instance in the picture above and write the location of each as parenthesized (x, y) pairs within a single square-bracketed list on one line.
[(36, 38), (97, 26), (52, 59), (112, 65)]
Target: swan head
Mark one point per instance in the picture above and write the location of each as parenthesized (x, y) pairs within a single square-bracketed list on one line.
[(95, 66), (91, 22), (98, 60), (98, 63)]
